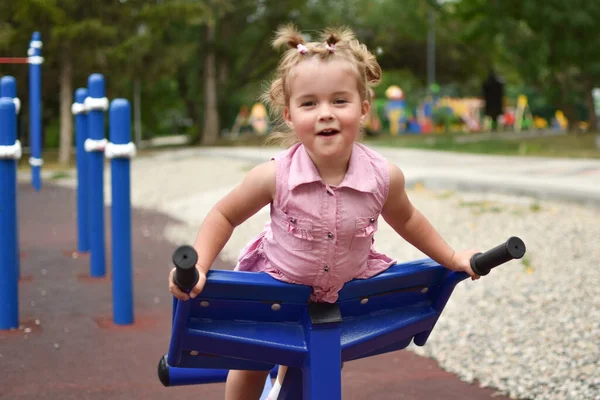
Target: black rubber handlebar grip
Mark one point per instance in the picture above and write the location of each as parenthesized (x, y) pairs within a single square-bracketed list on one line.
[(186, 274), (513, 248)]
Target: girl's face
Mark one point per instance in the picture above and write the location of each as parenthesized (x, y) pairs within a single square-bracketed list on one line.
[(325, 110)]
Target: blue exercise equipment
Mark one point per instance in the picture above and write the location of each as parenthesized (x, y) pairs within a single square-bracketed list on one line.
[(35, 60), (96, 104), (81, 134), (10, 152), (92, 147), (119, 150), (8, 88), (251, 321)]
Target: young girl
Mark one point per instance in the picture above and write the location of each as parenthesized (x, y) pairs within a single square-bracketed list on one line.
[(326, 192)]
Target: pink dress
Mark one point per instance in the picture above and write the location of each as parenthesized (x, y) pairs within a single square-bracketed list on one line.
[(322, 235)]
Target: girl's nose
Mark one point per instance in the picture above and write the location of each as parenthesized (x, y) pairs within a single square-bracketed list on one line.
[(325, 113)]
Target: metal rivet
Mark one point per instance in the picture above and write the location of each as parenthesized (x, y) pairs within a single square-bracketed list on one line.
[(194, 353), (276, 307), (330, 235), (364, 301), (424, 290), (204, 303)]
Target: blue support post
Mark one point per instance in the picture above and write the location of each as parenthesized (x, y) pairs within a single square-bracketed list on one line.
[(322, 372), (96, 104), (35, 109), (180, 315), (320, 377), (81, 134), (8, 88), (120, 150), (9, 153)]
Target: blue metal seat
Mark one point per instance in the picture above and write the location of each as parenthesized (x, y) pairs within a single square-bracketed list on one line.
[(250, 321)]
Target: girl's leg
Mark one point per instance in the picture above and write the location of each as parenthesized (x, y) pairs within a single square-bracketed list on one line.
[(281, 373), (245, 385), (274, 393)]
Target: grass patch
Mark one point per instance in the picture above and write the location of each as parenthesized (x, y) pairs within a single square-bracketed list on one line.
[(480, 207), (580, 145), (526, 261), (447, 194), (58, 175), (535, 207)]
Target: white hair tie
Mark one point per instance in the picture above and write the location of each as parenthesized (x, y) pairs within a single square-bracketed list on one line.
[(330, 47)]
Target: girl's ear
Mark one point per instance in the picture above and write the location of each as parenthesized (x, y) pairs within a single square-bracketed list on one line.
[(364, 111), (288, 118)]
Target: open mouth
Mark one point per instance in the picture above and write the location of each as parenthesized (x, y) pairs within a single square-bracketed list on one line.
[(328, 132)]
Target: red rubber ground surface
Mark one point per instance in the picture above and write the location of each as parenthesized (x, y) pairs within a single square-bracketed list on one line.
[(68, 347)]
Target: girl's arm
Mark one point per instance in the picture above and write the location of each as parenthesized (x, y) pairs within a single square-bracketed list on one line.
[(256, 190), (405, 219)]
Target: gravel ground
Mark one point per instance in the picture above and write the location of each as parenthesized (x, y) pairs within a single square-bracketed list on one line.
[(530, 329)]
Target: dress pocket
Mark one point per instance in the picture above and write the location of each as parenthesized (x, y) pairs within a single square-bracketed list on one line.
[(298, 233), (365, 228)]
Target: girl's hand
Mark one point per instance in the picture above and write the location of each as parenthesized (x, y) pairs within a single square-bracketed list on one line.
[(181, 295), (461, 261)]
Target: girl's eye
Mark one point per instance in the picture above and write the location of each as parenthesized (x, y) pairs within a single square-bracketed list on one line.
[(307, 104), (340, 101)]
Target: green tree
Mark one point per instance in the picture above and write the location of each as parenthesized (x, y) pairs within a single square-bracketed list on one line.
[(76, 37)]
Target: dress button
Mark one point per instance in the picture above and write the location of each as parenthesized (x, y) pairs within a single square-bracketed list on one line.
[(330, 235), (326, 268), (293, 220), (372, 220)]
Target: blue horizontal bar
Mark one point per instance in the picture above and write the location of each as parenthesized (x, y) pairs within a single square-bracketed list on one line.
[(219, 362), (269, 342), (192, 376), (416, 274), (364, 334), (253, 286), (224, 309)]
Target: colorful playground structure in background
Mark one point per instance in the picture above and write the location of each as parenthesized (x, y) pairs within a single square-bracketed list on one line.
[(434, 114), (450, 114)]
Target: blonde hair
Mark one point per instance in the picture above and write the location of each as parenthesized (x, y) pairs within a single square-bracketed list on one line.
[(335, 43)]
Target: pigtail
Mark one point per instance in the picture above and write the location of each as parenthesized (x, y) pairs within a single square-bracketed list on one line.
[(273, 96), (372, 67), (333, 36), (287, 36)]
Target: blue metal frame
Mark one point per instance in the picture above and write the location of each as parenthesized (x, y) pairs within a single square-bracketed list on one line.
[(8, 88), (122, 258), (95, 164), (246, 320), (9, 274), (81, 134), (35, 108)]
